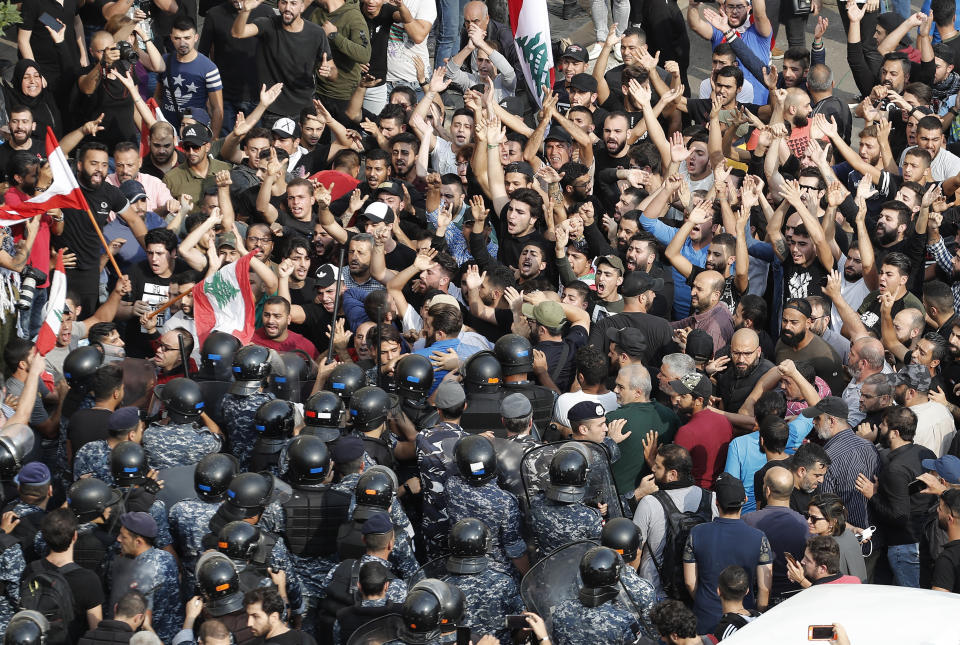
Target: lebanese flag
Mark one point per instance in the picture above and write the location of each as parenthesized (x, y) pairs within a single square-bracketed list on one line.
[(64, 192), (530, 24), (53, 313), (224, 302)]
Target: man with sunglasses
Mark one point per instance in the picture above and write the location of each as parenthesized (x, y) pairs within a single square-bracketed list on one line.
[(199, 169)]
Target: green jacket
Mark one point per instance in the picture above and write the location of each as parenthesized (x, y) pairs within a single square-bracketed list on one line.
[(350, 45), (641, 418)]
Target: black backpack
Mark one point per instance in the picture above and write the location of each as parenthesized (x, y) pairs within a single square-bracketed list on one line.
[(49, 593), (678, 524)]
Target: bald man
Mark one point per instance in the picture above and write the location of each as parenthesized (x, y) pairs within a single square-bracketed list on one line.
[(745, 368), (866, 358), (785, 528), (710, 314), (476, 12)]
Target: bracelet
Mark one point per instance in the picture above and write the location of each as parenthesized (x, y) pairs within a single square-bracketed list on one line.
[(491, 147)]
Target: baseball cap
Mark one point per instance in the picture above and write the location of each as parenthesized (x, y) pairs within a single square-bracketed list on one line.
[(196, 134), (729, 491), (612, 260), (557, 133), (548, 313), (225, 239), (346, 449), (515, 406), (140, 523), (449, 395), (583, 83), (378, 212), (133, 190), (576, 52), (800, 305), (916, 377), (584, 411), (693, 383), (325, 276), (444, 299), (833, 406), (394, 188), (631, 340), (636, 283), (947, 467), (34, 473), (377, 523), (285, 128), (125, 418), (699, 345)]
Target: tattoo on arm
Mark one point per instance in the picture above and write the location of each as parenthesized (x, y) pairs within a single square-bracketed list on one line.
[(780, 248)]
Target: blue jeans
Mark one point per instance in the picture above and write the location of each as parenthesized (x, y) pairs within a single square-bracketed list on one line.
[(905, 562), (447, 28), (30, 321), (230, 110)]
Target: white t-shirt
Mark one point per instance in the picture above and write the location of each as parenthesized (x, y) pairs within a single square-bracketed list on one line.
[(569, 399), (401, 49), (935, 427), (944, 165)]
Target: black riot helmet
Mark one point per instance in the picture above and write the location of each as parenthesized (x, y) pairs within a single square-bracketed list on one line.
[(216, 356), (469, 543), (429, 610), (368, 408), (621, 535), (345, 379), (89, 498), (374, 492), (238, 540), (219, 582), (249, 492), (414, 376), (213, 474), (16, 443), (600, 573), (80, 365), (322, 413), (515, 354), (482, 372), (183, 400), (251, 367), (297, 368), (476, 459), (274, 419), (308, 461), (128, 464), (27, 627), (568, 476)]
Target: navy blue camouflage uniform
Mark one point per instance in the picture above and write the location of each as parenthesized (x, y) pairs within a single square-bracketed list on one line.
[(490, 595), (178, 444), (644, 597), (12, 565), (496, 508), (189, 521), (238, 413), (157, 579), (576, 624), (93, 458), (435, 467), (555, 524)]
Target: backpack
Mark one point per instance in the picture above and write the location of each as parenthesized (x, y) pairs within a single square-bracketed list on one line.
[(49, 593), (678, 525)]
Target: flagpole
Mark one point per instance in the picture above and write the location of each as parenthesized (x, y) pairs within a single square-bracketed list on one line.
[(336, 305), (171, 302), (96, 227)]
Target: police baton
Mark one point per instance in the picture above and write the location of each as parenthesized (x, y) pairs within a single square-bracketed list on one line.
[(336, 304)]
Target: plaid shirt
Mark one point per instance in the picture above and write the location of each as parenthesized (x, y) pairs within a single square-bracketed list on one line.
[(457, 243), (945, 261), (850, 455)]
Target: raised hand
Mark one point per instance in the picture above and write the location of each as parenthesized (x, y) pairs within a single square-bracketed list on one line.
[(717, 19), (271, 94), (678, 151), (836, 193), (322, 195), (439, 81), (612, 37), (325, 68), (474, 279), (478, 209), (821, 28), (833, 287), (855, 12)]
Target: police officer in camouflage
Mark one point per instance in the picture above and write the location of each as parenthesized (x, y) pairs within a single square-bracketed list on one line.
[(594, 616), (152, 572), (12, 564), (261, 559), (188, 434), (189, 519), (490, 595), (413, 375), (473, 492), (435, 463), (379, 540), (128, 465), (515, 354), (274, 423), (369, 408), (91, 501), (558, 515), (623, 536), (93, 458), (482, 377), (251, 368)]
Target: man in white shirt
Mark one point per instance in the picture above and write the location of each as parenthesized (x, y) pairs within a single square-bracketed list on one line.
[(592, 372), (935, 426)]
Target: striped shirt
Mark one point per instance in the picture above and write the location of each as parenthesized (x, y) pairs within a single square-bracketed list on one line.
[(850, 455), (945, 261)]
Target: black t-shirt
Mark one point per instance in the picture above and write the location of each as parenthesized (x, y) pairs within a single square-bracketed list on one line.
[(314, 161), (400, 257), (758, 476), (37, 148), (290, 223), (78, 232), (87, 594), (800, 282), (44, 49), (149, 168), (293, 637), (290, 58), (603, 159), (89, 424), (154, 290), (563, 373), (379, 27), (699, 109), (946, 571), (599, 115), (234, 57), (316, 320)]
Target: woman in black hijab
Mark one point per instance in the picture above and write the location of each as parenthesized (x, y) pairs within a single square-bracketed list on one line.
[(29, 88)]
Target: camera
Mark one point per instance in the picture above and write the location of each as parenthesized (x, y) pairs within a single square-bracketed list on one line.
[(128, 57), (30, 277)]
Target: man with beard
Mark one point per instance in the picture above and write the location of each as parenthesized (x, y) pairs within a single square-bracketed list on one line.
[(850, 456), (163, 156), (641, 256), (853, 288), (892, 292), (820, 325), (876, 395), (938, 306), (484, 293), (946, 571), (22, 127), (560, 330), (798, 343), (898, 515), (127, 161), (751, 313), (404, 148), (274, 334), (191, 79), (944, 164), (710, 314), (296, 249), (522, 209), (638, 291), (735, 383), (78, 230), (442, 326), (809, 465), (935, 427), (796, 109), (287, 45), (866, 359), (931, 351), (316, 315), (806, 254), (705, 433), (199, 169)]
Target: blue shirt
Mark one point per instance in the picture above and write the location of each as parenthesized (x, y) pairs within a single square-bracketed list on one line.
[(760, 46), (925, 8), (463, 350), (131, 252), (681, 290), (189, 84)]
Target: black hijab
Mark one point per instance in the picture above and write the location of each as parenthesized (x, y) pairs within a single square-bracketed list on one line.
[(44, 106)]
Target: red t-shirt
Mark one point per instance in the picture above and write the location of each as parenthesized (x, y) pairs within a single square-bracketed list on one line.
[(39, 257), (293, 341), (706, 437)]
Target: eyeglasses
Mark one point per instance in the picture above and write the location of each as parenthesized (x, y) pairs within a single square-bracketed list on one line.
[(743, 354), (190, 146), (864, 395), (167, 348), (813, 519), (808, 188)]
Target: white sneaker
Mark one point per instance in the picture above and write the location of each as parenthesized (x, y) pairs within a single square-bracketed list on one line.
[(594, 50), (617, 55)]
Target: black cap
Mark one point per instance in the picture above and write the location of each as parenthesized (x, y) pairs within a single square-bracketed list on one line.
[(576, 52), (636, 283), (583, 83), (133, 190), (694, 383), (699, 345), (377, 523), (196, 134), (831, 405), (585, 410), (326, 276), (557, 133), (631, 340), (729, 491), (392, 187)]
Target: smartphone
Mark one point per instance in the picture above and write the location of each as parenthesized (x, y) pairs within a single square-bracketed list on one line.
[(516, 621), (916, 486), (463, 636), (50, 21), (821, 633), (791, 559)]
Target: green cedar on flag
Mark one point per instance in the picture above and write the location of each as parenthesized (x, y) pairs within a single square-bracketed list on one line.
[(224, 302), (530, 24)]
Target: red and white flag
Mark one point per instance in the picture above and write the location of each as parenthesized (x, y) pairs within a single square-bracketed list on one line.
[(530, 24), (145, 130), (53, 313), (64, 192), (224, 302)]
